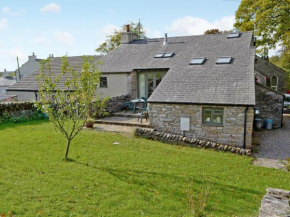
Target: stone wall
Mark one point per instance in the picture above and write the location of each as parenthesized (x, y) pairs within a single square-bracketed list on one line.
[(132, 84), (275, 203), (115, 104), (270, 104), (188, 141), (166, 118), (268, 69)]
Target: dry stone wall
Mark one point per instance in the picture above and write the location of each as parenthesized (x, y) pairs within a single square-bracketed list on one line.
[(189, 141), (275, 203), (270, 104), (115, 104), (166, 118)]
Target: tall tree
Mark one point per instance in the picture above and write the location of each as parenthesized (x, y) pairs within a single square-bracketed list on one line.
[(68, 108), (113, 41), (269, 18), (271, 21)]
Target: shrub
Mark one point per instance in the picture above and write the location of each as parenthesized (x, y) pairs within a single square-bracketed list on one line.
[(197, 200), (286, 163)]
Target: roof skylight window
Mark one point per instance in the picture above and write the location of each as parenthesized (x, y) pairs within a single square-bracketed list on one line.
[(164, 55), (197, 61), (159, 55), (234, 35), (224, 60)]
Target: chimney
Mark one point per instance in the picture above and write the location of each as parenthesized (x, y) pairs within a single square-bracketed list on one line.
[(128, 36), (33, 57), (5, 74), (127, 28), (165, 39)]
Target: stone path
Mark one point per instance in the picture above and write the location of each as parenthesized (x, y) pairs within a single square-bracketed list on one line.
[(274, 145), (114, 128)]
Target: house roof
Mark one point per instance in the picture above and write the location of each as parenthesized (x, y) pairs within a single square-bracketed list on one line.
[(7, 81), (29, 83), (209, 83)]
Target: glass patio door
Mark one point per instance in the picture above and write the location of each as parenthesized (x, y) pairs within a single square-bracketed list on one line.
[(147, 83)]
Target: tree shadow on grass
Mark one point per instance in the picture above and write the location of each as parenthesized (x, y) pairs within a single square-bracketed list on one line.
[(146, 178), (21, 124)]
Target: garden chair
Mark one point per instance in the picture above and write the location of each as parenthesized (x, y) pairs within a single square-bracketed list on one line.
[(128, 106), (143, 112)]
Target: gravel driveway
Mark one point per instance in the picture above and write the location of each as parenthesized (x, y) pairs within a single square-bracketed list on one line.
[(275, 144)]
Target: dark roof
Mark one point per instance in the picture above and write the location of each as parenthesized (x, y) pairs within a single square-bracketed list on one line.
[(7, 81), (29, 83), (209, 83)]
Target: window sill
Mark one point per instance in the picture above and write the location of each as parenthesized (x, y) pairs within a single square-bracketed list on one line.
[(103, 87), (213, 125)]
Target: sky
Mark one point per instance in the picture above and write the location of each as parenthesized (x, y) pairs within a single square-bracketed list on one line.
[(74, 27)]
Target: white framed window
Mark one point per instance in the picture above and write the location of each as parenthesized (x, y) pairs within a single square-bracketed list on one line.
[(274, 82)]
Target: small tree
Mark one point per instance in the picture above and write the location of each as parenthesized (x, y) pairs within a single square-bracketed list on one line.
[(67, 97), (113, 41)]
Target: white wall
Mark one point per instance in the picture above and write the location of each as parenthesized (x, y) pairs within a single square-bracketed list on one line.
[(117, 85), (26, 96)]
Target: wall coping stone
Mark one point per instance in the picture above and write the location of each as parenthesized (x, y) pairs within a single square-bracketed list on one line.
[(189, 141), (275, 203)]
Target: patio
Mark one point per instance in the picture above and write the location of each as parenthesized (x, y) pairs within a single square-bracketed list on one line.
[(125, 118)]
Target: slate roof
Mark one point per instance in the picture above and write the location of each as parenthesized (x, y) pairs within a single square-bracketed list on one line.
[(210, 83), (7, 81), (29, 83)]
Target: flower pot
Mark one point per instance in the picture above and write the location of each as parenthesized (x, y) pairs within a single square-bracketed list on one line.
[(90, 125)]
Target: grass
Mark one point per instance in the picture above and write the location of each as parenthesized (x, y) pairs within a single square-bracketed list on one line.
[(138, 177)]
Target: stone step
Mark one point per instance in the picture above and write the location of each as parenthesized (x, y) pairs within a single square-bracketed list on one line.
[(125, 121)]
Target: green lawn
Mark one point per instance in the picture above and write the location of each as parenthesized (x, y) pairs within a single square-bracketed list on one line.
[(136, 178)]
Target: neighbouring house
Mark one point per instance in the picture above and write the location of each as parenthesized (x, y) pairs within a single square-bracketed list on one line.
[(28, 67), (270, 75), (6, 81), (27, 88), (199, 86)]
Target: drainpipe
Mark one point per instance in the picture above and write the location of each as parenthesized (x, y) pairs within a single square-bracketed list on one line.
[(35, 92), (282, 111), (245, 128)]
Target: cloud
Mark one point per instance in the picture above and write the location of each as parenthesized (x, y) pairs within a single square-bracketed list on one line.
[(16, 39), (111, 11), (3, 24), (106, 31), (17, 52), (52, 7), (63, 38), (40, 40), (197, 26), (7, 10)]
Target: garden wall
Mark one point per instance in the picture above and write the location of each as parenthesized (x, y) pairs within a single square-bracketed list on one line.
[(115, 104), (189, 141), (270, 104), (166, 118)]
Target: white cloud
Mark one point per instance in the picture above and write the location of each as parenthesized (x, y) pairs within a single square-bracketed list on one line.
[(197, 26), (3, 24), (40, 40), (105, 31), (7, 10), (64, 38), (276, 51), (111, 11), (52, 7), (17, 52), (16, 39)]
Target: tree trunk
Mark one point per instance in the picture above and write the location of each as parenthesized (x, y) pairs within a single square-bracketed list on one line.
[(67, 149)]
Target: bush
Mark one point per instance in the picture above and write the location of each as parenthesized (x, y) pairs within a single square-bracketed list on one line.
[(8, 117), (197, 201)]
